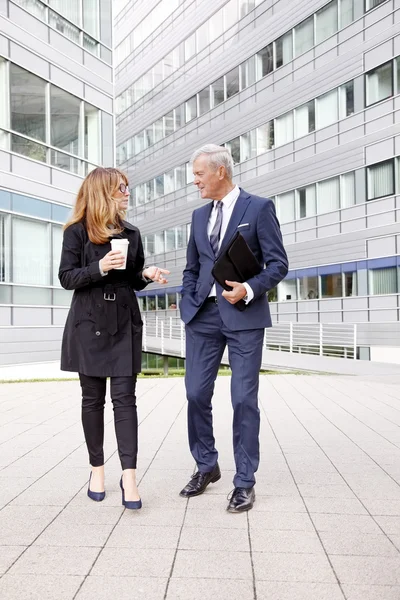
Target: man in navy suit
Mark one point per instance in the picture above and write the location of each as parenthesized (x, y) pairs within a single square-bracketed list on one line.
[(212, 321)]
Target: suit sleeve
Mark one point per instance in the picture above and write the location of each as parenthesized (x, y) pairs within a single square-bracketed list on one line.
[(72, 274), (273, 252), (192, 269)]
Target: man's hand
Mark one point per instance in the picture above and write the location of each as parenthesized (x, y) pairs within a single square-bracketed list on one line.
[(238, 292), (156, 274)]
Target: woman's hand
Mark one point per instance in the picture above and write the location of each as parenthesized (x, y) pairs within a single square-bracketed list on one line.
[(156, 274), (112, 260)]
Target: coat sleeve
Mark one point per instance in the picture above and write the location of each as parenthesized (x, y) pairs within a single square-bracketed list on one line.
[(273, 252), (72, 274), (136, 277), (192, 269)]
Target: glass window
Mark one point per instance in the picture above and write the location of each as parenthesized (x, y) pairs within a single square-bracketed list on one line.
[(204, 100), (216, 25), (71, 9), (64, 120), (149, 244), (28, 148), (218, 91), (179, 116), (91, 16), (379, 83), (327, 22), (56, 242), (191, 108), (169, 123), (203, 36), (149, 190), (30, 206), (62, 297), (245, 6), (383, 281), (151, 303), (35, 7), (64, 27), (304, 36), (284, 50), (305, 119), (91, 45), (159, 242), (328, 195), (189, 173), (248, 145), (398, 74), (287, 290), (307, 206), (265, 137), (28, 266), (140, 194), (180, 176), (139, 142), (92, 134), (346, 99), (31, 296), (234, 147), (265, 63), (327, 109), (171, 301), (149, 136), (232, 82), (159, 186), (60, 213), (284, 129), (350, 283), (169, 182), (308, 288), (230, 14), (331, 286), (346, 13), (286, 207), (248, 72), (381, 180), (170, 240), (158, 130), (179, 237), (28, 106), (65, 161), (372, 3), (347, 190), (161, 304), (190, 47)]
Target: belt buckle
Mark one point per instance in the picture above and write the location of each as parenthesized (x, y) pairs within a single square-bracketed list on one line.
[(109, 296)]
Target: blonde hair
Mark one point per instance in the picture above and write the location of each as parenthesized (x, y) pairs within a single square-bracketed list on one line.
[(96, 207)]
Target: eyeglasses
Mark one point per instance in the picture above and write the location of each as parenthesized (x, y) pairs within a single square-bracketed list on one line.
[(124, 188)]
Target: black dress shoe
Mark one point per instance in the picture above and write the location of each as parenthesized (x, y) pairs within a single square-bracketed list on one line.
[(200, 481), (242, 499)]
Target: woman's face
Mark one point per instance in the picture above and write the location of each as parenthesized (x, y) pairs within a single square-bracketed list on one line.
[(121, 196)]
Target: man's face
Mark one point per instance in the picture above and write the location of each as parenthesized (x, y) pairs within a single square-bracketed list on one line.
[(210, 183)]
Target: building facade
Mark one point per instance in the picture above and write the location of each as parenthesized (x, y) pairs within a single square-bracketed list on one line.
[(307, 97), (56, 124)]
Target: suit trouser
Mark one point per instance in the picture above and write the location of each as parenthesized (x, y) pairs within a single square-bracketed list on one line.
[(206, 339), (125, 417)]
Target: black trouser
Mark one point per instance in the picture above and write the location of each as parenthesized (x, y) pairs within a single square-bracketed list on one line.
[(125, 417)]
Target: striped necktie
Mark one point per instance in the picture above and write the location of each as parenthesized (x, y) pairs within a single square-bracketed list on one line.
[(216, 230)]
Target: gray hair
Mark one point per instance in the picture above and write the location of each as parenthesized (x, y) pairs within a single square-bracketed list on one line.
[(218, 156)]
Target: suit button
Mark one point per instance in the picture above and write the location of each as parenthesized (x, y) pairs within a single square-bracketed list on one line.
[(98, 333)]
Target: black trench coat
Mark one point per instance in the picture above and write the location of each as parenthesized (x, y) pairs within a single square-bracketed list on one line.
[(103, 331)]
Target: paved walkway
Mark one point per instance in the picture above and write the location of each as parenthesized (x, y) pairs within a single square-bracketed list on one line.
[(325, 526)]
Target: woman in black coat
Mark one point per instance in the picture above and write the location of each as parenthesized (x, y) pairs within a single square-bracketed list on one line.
[(103, 332)]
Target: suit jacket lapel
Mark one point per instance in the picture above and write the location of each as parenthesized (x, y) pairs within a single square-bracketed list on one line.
[(240, 208), (205, 217)]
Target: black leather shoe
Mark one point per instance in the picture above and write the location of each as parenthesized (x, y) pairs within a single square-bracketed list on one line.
[(242, 499), (200, 481)]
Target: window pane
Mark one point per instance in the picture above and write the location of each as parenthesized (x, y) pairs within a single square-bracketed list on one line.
[(28, 111), (139, 142), (245, 6), (218, 91), (398, 74), (149, 136), (92, 133), (169, 123), (204, 100), (35, 7), (64, 27), (169, 182), (158, 130), (286, 207), (171, 301), (232, 82), (346, 99), (64, 161), (64, 114), (308, 288), (328, 195), (31, 296), (91, 16), (179, 116), (170, 240), (216, 25), (347, 190), (161, 305), (159, 242), (287, 290), (149, 244), (383, 281), (327, 109), (346, 15), (28, 266), (284, 49), (248, 72), (159, 186), (28, 148), (350, 284), (265, 63), (380, 83), (180, 176), (248, 145), (230, 14), (307, 201), (203, 36), (331, 286), (304, 36), (189, 173), (191, 109), (373, 3), (327, 22), (62, 297), (57, 236), (380, 180), (149, 190), (190, 47), (305, 119), (71, 9), (284, 129), (90, 44), (265, 137), (234, 147)]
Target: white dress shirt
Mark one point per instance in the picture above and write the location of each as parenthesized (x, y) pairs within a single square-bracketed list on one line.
[(228, 204)]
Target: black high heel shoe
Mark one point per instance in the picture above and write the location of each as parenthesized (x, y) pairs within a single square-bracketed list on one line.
[(131, 504), (96, 496)]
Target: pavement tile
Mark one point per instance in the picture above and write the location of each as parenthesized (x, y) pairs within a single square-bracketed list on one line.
[(383, 507), (371, 592), (209, 589), (291, 521), (390, 525), (125, 562), (279, 504), (8, 554), (215, 540), (285, 541), (20, 525), (360, 544), (72, 534), (122, 588), (274, 590), (55, 561), (371, 570), (212, 565), (39, 587), (341, 506), (288, 567), (326, 491), (211, 519), (94, 514), (345, 523), (144, 537)]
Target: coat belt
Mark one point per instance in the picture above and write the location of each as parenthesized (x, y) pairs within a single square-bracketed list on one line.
[(110, 296)]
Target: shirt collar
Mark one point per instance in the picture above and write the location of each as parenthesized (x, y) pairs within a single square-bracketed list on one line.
[(229, 198)]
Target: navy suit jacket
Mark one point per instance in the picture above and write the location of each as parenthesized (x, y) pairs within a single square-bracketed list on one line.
[(262, 233)]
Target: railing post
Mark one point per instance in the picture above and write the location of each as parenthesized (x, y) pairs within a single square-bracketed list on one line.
[(321, 341), (291, 337), (156, 325), (170, 328), (182, 340), (144, 334), (355, 341), (162, 336)]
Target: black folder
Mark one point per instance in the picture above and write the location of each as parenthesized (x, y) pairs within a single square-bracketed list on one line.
[(236, 263)]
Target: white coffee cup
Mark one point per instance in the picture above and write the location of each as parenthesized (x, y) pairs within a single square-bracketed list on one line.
[(122, 246)]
